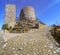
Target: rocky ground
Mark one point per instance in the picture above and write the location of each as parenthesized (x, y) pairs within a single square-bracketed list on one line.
[(38, 42)]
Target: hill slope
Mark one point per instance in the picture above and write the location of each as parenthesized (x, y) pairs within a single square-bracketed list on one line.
[(35, 42)]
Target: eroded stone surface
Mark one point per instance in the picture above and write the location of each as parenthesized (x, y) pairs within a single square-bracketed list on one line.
[(36, 43)]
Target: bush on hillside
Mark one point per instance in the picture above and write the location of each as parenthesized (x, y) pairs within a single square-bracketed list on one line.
[(5, 26), (56, 33)]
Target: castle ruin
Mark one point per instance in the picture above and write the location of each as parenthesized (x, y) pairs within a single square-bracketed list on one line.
[(27, 18)]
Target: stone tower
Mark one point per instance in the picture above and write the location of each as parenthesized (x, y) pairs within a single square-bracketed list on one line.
[(27, 13), (10, 15), (28, 18)]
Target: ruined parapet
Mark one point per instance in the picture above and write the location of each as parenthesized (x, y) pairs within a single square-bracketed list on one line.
[(10, 15), (27, 13), (42, 25)]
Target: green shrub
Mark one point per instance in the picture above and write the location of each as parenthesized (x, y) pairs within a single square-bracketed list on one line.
[(5, 27)]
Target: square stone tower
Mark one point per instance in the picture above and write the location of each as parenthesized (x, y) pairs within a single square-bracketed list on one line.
[(10, 15)]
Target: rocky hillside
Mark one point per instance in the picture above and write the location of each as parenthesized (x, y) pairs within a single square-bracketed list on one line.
[(35, 42), (1, 40)]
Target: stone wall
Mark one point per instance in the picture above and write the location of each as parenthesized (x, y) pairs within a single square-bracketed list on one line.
[(10, 15)]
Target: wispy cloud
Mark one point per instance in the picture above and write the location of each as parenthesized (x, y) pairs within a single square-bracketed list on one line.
[(52, 4)]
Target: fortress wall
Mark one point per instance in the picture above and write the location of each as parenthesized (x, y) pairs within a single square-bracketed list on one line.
[(8, 36)]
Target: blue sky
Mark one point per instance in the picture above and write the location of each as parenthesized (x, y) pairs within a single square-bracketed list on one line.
[(47, 11)]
